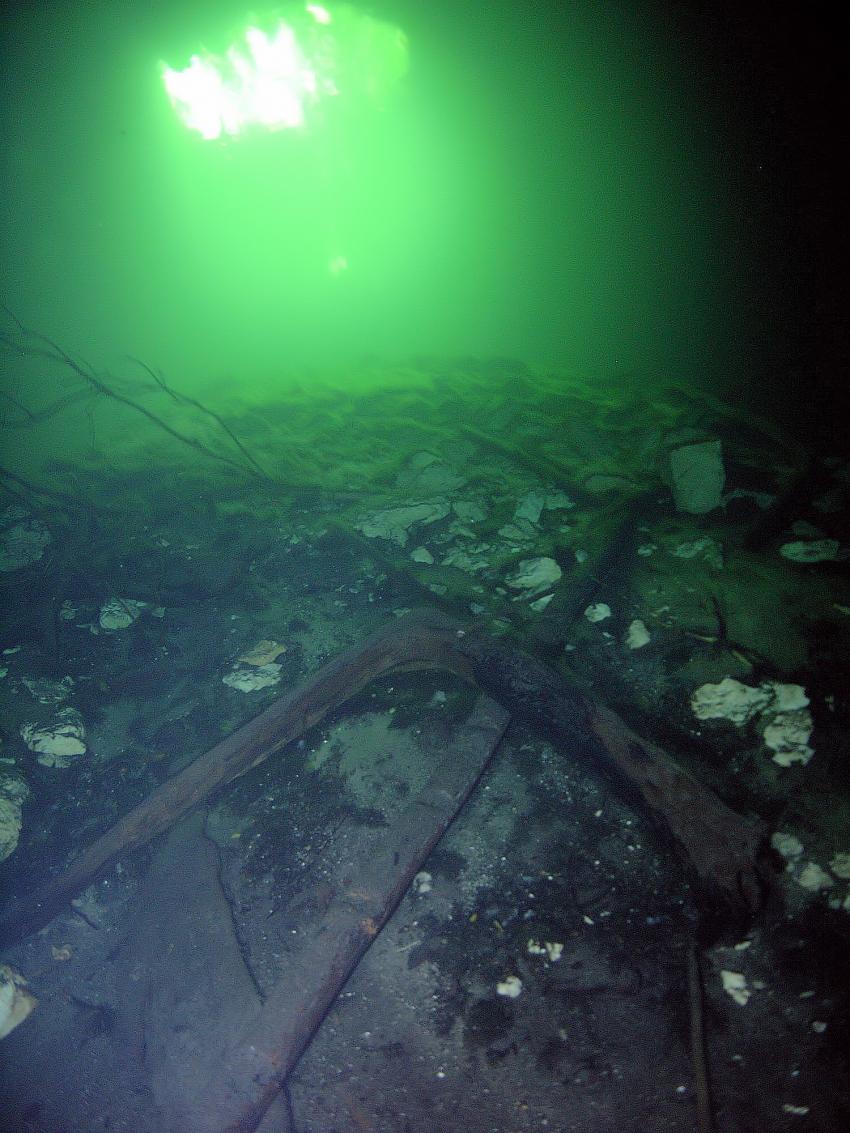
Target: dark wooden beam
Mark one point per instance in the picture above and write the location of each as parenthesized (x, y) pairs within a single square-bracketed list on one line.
[(719, 847)]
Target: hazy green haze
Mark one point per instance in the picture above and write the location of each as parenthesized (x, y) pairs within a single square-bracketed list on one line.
[(546, 182)]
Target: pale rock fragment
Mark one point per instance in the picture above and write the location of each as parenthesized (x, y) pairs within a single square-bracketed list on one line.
[(637, 635), (13, 794), (16, 1001), (510, 986), (119, 613), (57, 743), (788, 698), (533, 503), (598, 612), (787, 736), (465, 561), (46, 691), (394, 523), (427, 474), (530, 506), (535, 576), (813, 878), (729, 700), (552, 949), (735, 984), (422, 883), (696, 476), (787, 733), (250, 680), (787, 845), (263, 653), (521, 531)]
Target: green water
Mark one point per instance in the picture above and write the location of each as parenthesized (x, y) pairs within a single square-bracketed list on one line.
[(547, 182)]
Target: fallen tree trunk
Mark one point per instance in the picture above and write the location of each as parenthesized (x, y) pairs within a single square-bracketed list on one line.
[(719, 847), (246, 1075)]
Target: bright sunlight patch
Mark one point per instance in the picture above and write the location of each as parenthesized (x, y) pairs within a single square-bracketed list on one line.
[(275, 74)]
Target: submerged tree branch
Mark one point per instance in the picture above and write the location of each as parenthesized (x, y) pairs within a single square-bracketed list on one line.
[(184, 399), (720, 848), (52, 351)]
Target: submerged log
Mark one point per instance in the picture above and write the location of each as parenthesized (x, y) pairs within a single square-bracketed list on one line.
[(719, 847), (246, 1076)]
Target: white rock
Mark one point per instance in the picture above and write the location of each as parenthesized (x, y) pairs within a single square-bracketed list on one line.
[(637, 635), (788, 698), (598, 612), (423, 882), (787, 845), (119, 613), (48, 692), (535, 576), (735, 984), (551, 949), (729, 700), (840, 866), (16, 1002), (697, 477), (510, 986), (787, 736), (13, 794), (815, 551), (530, 506), (250, 680), (393, 524), (422, 555), (813, 878), (56, 744)]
